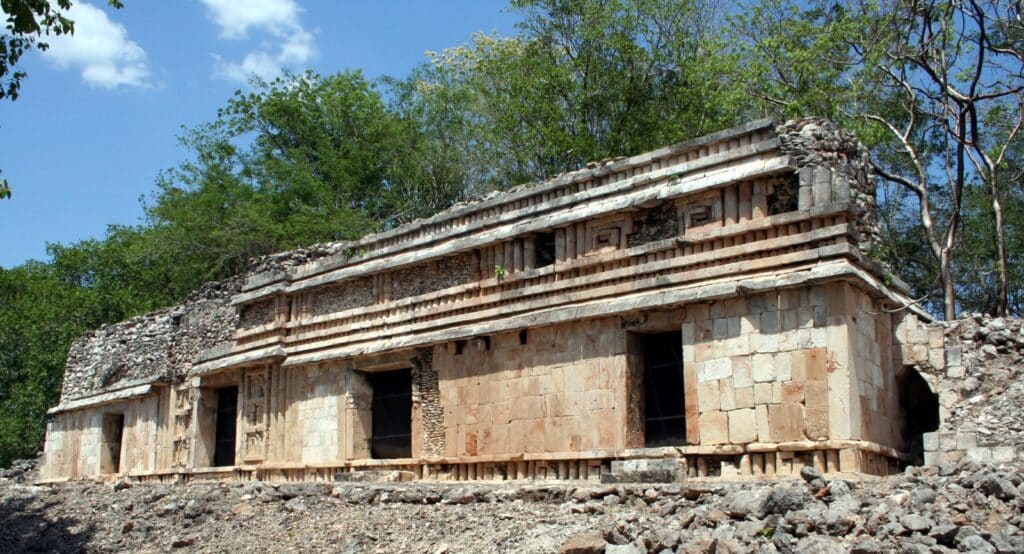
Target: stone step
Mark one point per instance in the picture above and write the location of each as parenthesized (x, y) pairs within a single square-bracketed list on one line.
[(661, 470), (374, 476)]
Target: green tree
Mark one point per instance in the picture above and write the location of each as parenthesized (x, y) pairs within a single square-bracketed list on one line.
[(40, 314), (582, 81), (921, 82), (300, 160)]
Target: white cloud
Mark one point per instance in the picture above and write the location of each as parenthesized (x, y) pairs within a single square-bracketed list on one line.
[(290, 46), (100, 48), (235, 17)]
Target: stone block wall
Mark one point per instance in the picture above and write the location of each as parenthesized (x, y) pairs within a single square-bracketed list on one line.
[(559, 392), (148, 438), (72, 445), (873, 370), (75, 441), (315, 407), (757, 367), (791, 365)]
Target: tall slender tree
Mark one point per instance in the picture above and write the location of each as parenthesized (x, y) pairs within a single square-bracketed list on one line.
[(923, 82)]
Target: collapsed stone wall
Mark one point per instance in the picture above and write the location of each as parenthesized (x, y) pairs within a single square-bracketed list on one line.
[(432, 276), (157, 345), (163, 343), (833, 157), (654, 224), (346, 295), (976, 367), (258, 313), (283, 261)]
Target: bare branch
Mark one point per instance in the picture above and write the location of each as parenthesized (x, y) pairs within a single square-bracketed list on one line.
[(903, 138)]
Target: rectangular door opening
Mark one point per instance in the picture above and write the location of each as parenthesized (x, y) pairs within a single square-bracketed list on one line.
[(664, 408), (113, 433), (227, 415), (391, 414)]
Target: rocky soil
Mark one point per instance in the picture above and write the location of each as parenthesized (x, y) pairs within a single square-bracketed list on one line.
[(967, 507)]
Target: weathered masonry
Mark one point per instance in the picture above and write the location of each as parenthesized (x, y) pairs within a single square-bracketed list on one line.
[(710, 305)]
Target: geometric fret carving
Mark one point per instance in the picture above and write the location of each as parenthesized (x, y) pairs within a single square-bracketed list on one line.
[(182, 426)]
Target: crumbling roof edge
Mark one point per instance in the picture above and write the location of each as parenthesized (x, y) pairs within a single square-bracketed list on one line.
[(593, 170), (574, 176)]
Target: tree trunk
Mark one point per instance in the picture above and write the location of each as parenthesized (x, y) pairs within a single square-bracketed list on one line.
[(1002, 300), (948, 292)]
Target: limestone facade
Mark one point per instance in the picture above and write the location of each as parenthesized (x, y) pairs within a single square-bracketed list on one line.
[(716, 295)]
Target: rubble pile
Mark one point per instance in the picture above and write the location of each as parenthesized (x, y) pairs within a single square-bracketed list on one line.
[(965, 507), (992, 387), (980, 388), (21, 471), (283, 261)]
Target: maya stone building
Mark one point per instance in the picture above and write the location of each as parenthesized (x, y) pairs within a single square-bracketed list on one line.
[(708, 309)]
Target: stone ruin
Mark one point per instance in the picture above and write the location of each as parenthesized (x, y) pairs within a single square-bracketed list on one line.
[(709, 309), (973, 365)]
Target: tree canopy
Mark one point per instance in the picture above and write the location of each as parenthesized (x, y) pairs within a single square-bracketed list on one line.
[(936, 89), (581, 81)]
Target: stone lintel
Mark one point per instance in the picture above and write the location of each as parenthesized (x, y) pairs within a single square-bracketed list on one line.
[(244, 359), (104, 398)]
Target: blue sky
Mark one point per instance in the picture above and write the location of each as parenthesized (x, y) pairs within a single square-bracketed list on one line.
[(99, 115)]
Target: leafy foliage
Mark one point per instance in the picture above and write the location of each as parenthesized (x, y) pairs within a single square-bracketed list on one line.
[(300, 160), (40, 314), (583, 81), (935, 88), (26, 22)]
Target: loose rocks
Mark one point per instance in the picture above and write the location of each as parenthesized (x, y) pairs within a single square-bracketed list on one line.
[(969, 506)]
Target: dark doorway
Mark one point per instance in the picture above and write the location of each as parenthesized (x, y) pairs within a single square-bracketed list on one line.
[(392, 414), (113, 431), (664, 409), (227, 414), (919, 408)]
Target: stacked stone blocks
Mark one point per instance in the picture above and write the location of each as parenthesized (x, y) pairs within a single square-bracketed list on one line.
[(761, 367)]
